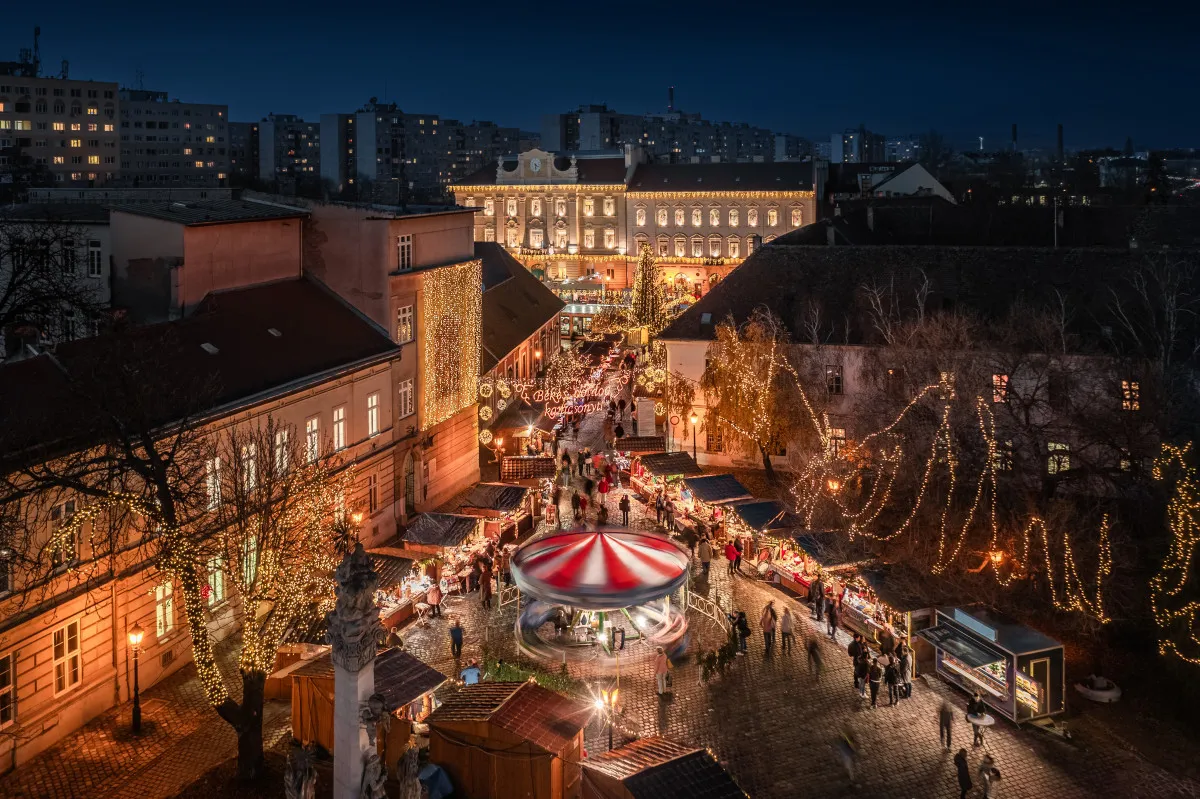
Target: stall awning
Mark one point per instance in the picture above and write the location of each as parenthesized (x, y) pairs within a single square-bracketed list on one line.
[(956, 642), (527, 467), (670, 464), (640, 444), (832, 549), (440, 529), (717, 489), (496, 496), (765, 515)]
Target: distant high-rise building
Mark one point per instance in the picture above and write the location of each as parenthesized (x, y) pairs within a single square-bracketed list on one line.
[(288, 148), (902, 149), (166, 142), (856, 146), (791, 148), (243, 152), (674, 136)]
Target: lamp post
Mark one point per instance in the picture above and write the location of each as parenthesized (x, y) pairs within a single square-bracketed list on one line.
[(135, 643), (693, 420), (608, 703)]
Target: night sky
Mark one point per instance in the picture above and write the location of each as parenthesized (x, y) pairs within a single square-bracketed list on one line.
[(966, 69)]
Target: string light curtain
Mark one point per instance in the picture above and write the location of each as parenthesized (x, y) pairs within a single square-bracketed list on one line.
[(452, 305)]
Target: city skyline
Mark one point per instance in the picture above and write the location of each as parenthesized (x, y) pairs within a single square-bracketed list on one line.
[(274, 63)]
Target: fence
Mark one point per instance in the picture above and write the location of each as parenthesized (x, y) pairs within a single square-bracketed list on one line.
[(710, 608)]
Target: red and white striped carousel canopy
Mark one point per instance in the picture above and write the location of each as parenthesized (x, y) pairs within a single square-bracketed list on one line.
[(603, 569)]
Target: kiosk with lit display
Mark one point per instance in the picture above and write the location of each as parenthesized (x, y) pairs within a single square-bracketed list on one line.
[(1016, 670)]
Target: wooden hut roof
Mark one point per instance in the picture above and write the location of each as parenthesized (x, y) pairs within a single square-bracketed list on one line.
[(440, 529), (527, 467), (496, 496), (399, 676), (548, 720), (658, 768), (716, 488), (669, 464)]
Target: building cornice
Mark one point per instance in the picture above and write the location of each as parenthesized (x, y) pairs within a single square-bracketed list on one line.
[(616, 187), (733, 195)]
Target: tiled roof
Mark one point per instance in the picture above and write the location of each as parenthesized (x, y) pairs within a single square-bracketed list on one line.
[(773, 176), (79, 213), (640, 444), (515, 304), (495, 496), (670, 464), (527, 467), (657, 768), (440, 529), (237, 346), (474, 702), (391, 569), (548, 720), (211, 212), (716, 488), (399, 676), (765, 514)]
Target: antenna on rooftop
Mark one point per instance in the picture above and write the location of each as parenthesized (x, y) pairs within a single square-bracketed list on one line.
[(139, 79)]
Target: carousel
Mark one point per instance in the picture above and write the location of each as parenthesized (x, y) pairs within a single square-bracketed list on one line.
[(602, 596)]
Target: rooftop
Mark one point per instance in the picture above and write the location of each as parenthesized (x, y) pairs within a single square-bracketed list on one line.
[(723, 177), (716, 489), (440, 529), (496, 496), (77, 213), (399, 676), (670, 464), (211, 212), (658, 768), (548, 720), (515, 304)]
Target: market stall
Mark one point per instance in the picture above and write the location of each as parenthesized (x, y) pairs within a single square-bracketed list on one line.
[(527, 469), (407, 686), (702, 500), (910, 599), (650, 472), (446, 546), (507, 510), (795, 562), (1017, 670)]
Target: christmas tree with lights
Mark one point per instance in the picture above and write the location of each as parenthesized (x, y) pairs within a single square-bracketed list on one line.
[(648, 310)]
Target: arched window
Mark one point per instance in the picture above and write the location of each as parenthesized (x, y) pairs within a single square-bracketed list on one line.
[(714, 217), (752, 217), (697, 246), (610, 206), (680, 246), (679, 217), (797, 216), (772, 217), (535, 207), (697, 217), (560, 208), (640, 217), (733, 217), (664, 245), (661, 215), (510, 207)]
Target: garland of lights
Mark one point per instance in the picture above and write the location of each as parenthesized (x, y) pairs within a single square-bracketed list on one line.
[(1175, 612), (452, 303)]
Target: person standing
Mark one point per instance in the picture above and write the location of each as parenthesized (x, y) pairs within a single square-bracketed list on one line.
[(624, 506), (785, 632), (705, 555), (832, 615), (887, 641), (964, 773), (737, 563), (814, 656), (603, 488), (855, 648), (456, 639), (659, 507), (874, 677), (976, 708), (816, 594), (661, 667), (583, 503), (862, 670), (670, 514), (485, 586), (575, 505), (891, 678), (742, 625), (988, 774), (945, 724), (394, 641), (434, 599), (904, 666), (731, 556), (767, 621), (566, 461)]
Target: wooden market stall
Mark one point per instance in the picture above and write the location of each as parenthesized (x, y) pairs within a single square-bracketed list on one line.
[(703, 499), (908, 600), (655, 470), (528, 470), (503, 739), (796, 561), (657, 768), (508, 510), (407, 685)]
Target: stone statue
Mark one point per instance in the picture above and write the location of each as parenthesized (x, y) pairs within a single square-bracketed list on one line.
[(374, 776), (374, 713), (410, 781), (300, 777), (353, 624)]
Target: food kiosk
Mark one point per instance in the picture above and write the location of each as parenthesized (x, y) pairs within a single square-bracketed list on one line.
[(507, 510), (655, 470), (1017, 671)]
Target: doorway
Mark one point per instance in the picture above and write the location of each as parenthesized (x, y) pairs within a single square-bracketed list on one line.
[(410, 485)]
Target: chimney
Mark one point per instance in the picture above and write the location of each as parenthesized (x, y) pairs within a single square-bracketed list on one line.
[(1014, 138), (670, 99), (1060, 143)]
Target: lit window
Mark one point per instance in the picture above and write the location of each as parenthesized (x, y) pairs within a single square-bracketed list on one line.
[(283, 454), (535, 207), (404, 252), (8, 674), (199, 165), (610, 238), (339, 428), (797, 217), (212, 482), (164, 609), (661, 216), (58, 159), (76, 142), (63, 550), (752, 217), (109, 128), (833, 379), (589, 239), (489, 207), (772, 217), (589, 206), (510, 207), (697, 247), (511, 238), (560, 208), (697, 217), (560, 238), (312, 439), (640, 217), (1060, 458), (837, 440), (1131, 395), (999, 388), (407, 405), (680, 246), (249, 563), (93, 110), (610, 207), (249, 468), (469, 202), (536, 238), (680, 217), (733, 217), (216, 581), (489, 234), (76, 126), (714, 217), (1002, 456), (373, 414), (714, 246), (59, 126), (405, 330), (733, 246), (93, 159), (67, 662)]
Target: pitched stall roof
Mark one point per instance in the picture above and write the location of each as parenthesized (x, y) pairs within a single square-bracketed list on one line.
[(236, 346), (440, 529), (496, 496), (391, 569), (515, 304), (399, 676), (211, 212), (548, 720), (658, 768), (527, 467), (765, 515), (670, 464), (640, 444), (773, 176), (832, 549), (717, 489)]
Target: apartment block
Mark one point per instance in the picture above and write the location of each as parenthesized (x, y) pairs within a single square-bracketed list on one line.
[(168, 142)]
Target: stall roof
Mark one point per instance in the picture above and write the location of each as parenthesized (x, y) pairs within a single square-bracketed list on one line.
[(391, 569), (968, 650), (765, 514), (440, 529), (905, 589), (670, 464), (831, 549), (542, 717), (717, 489), (527, 467), (496, 496), (1010, 634), (399, 676), (656, 768), (640, 444)]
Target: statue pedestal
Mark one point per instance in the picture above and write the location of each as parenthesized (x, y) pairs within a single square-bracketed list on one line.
[(350, 744)]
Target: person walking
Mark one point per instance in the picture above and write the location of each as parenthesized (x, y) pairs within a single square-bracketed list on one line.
[(485, 587), (847, 751), (891, 678), (785, 632), (816, 594), (737, 563), (742, 625), (874, 677), (731, 556), (589, 488), (862, 670), (661, 668), (832, 615), (603, 489), (705, 548), (976, 708), (887, 641), (855, 647), (659, 506), (945, 724), (988, 775), (456, 638), (566, 461), (583, 503), (575, 505), (814, 656), (964, 773), (434, 599), (767, 622), (624, 506), (904, 666)]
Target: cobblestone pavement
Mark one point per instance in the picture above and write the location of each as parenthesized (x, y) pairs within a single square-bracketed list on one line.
[(182, 738)]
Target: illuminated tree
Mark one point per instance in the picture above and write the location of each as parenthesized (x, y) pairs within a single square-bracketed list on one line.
[(1173, 594), (648, 299)]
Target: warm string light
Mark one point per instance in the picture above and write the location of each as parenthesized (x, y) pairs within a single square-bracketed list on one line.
[(1174, 611), (452, 304)]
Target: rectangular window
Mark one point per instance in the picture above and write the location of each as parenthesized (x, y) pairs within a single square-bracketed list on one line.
[(8, 689), (404, 252), (372, 493), (249, 468), (833, 379), (67, 665), (216, 581), (1002, 456), (373, 414), (1131, 395), (406, 398), (489, 234), (212, 482), (76, 143), (249, 564), (535, 238), (999, 388), (894, 382), (589, 206), (610, 206), (63, 550), (1059, 460), (405, 330), (312, 439), (283, 455), (95, 265), (339, 428), (164, 608), (510, 207), (837, 440)]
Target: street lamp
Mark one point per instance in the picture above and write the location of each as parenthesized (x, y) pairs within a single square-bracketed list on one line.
[(693, 420), (135, 643), (608, 703)]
